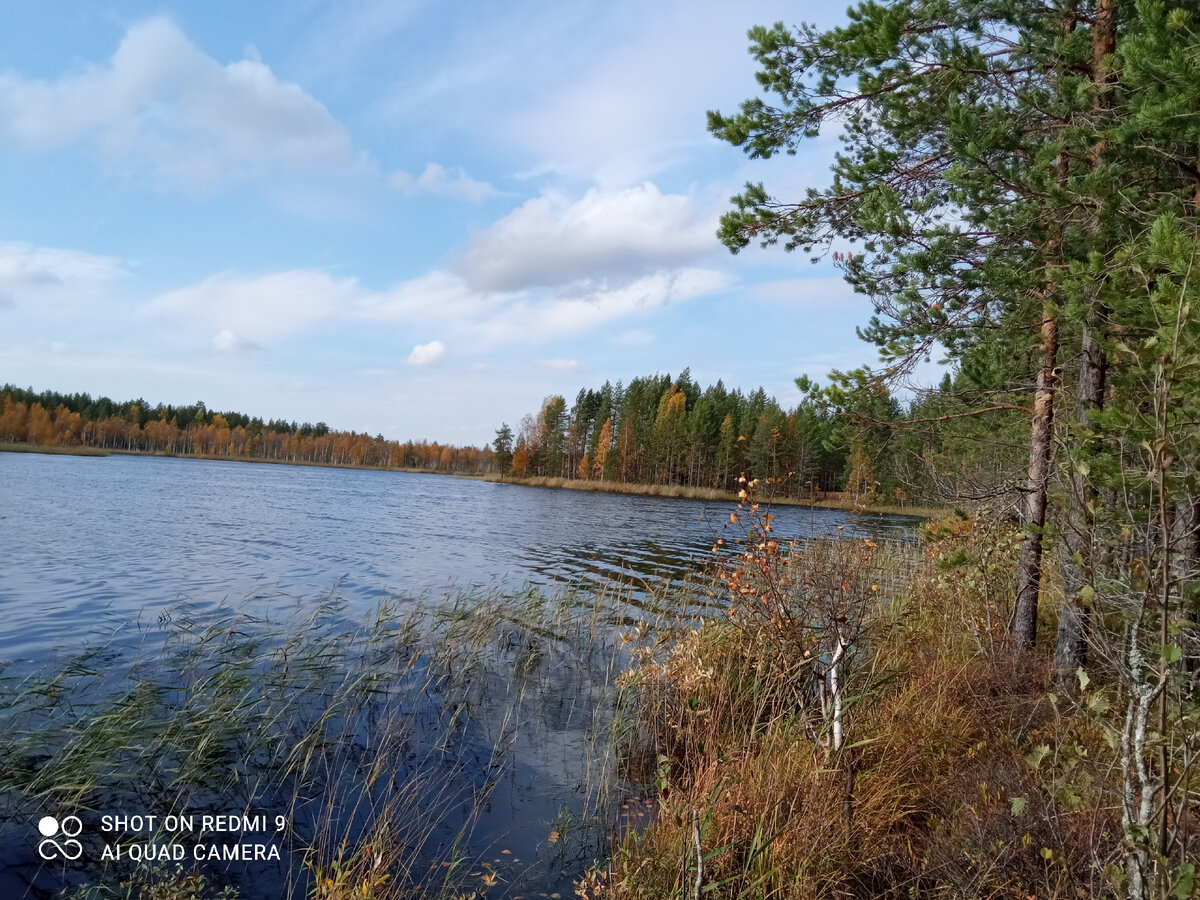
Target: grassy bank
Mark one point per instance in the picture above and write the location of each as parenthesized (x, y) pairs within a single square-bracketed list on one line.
[(696, 493), (62, 451), (820, 743)]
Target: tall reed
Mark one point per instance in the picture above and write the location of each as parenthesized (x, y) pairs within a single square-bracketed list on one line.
[(381, 743)]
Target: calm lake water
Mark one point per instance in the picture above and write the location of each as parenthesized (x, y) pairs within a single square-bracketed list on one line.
[(93, 542), (93, 547)]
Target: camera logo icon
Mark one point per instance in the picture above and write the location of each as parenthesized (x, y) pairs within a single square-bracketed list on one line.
[(67, 830)]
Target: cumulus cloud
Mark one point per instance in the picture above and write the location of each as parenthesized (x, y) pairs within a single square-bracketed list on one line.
[(438, 181), (590, 306), (262, 309), (162, 106), (533, 314), (254, 309), (437, 294), (229, 341), (549, 241), (427, 354), (552, 267)]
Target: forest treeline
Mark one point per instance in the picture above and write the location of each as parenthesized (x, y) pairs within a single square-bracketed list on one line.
[(654, 430), (851, 436), (51, 419)]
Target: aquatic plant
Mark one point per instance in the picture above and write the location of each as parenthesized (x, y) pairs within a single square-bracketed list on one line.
[(379, 744)]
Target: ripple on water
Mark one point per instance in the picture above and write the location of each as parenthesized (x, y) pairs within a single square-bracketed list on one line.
[(128, 534)]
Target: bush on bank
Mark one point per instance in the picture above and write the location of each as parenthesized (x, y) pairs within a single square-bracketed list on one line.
[(958, 773)]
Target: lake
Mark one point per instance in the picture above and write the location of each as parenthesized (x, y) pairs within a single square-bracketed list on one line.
[(93, 542), (97, 547)]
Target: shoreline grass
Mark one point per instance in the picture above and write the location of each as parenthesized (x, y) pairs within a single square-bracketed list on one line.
[(685, 492), (160, 454), (960, 774), (53, 451), (382, 742), (674, 491)]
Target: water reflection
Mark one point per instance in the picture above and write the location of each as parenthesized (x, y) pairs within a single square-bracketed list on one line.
[(96, 541)]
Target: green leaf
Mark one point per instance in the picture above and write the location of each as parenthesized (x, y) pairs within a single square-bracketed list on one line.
[(1084, 681), (1037, 754), (1171, 653), (1186, 883), (1018, 805)]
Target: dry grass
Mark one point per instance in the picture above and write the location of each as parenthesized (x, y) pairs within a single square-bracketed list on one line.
[(961, 777), (680, 491), (55, 451)]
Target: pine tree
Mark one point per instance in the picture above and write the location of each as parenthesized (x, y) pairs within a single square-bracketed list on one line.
[(953, 181), (503, 448)]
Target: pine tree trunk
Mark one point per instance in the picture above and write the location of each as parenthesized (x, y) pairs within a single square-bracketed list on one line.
[(1029, 566), (1079, 534)]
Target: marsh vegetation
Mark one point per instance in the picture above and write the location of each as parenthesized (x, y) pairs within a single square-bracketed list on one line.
[(384, 746)]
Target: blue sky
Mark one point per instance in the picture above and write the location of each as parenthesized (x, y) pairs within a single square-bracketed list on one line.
[(410, 218)]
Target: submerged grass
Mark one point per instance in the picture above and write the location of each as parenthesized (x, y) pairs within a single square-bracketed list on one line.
[(379, 744)]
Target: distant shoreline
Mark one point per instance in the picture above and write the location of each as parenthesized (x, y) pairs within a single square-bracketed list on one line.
[(97, 451), (683, 492), (666, 491)]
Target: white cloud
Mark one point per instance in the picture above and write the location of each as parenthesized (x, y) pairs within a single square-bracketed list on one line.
[(549, 241), (625, 102), (438, 181), (255, 309), (438, 294), (24, 266), (559, 365), (427, 354), (44, 285), (162, 106), (535, 314), (229, 341), (249, 312), (549, 268), (584, 307)]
